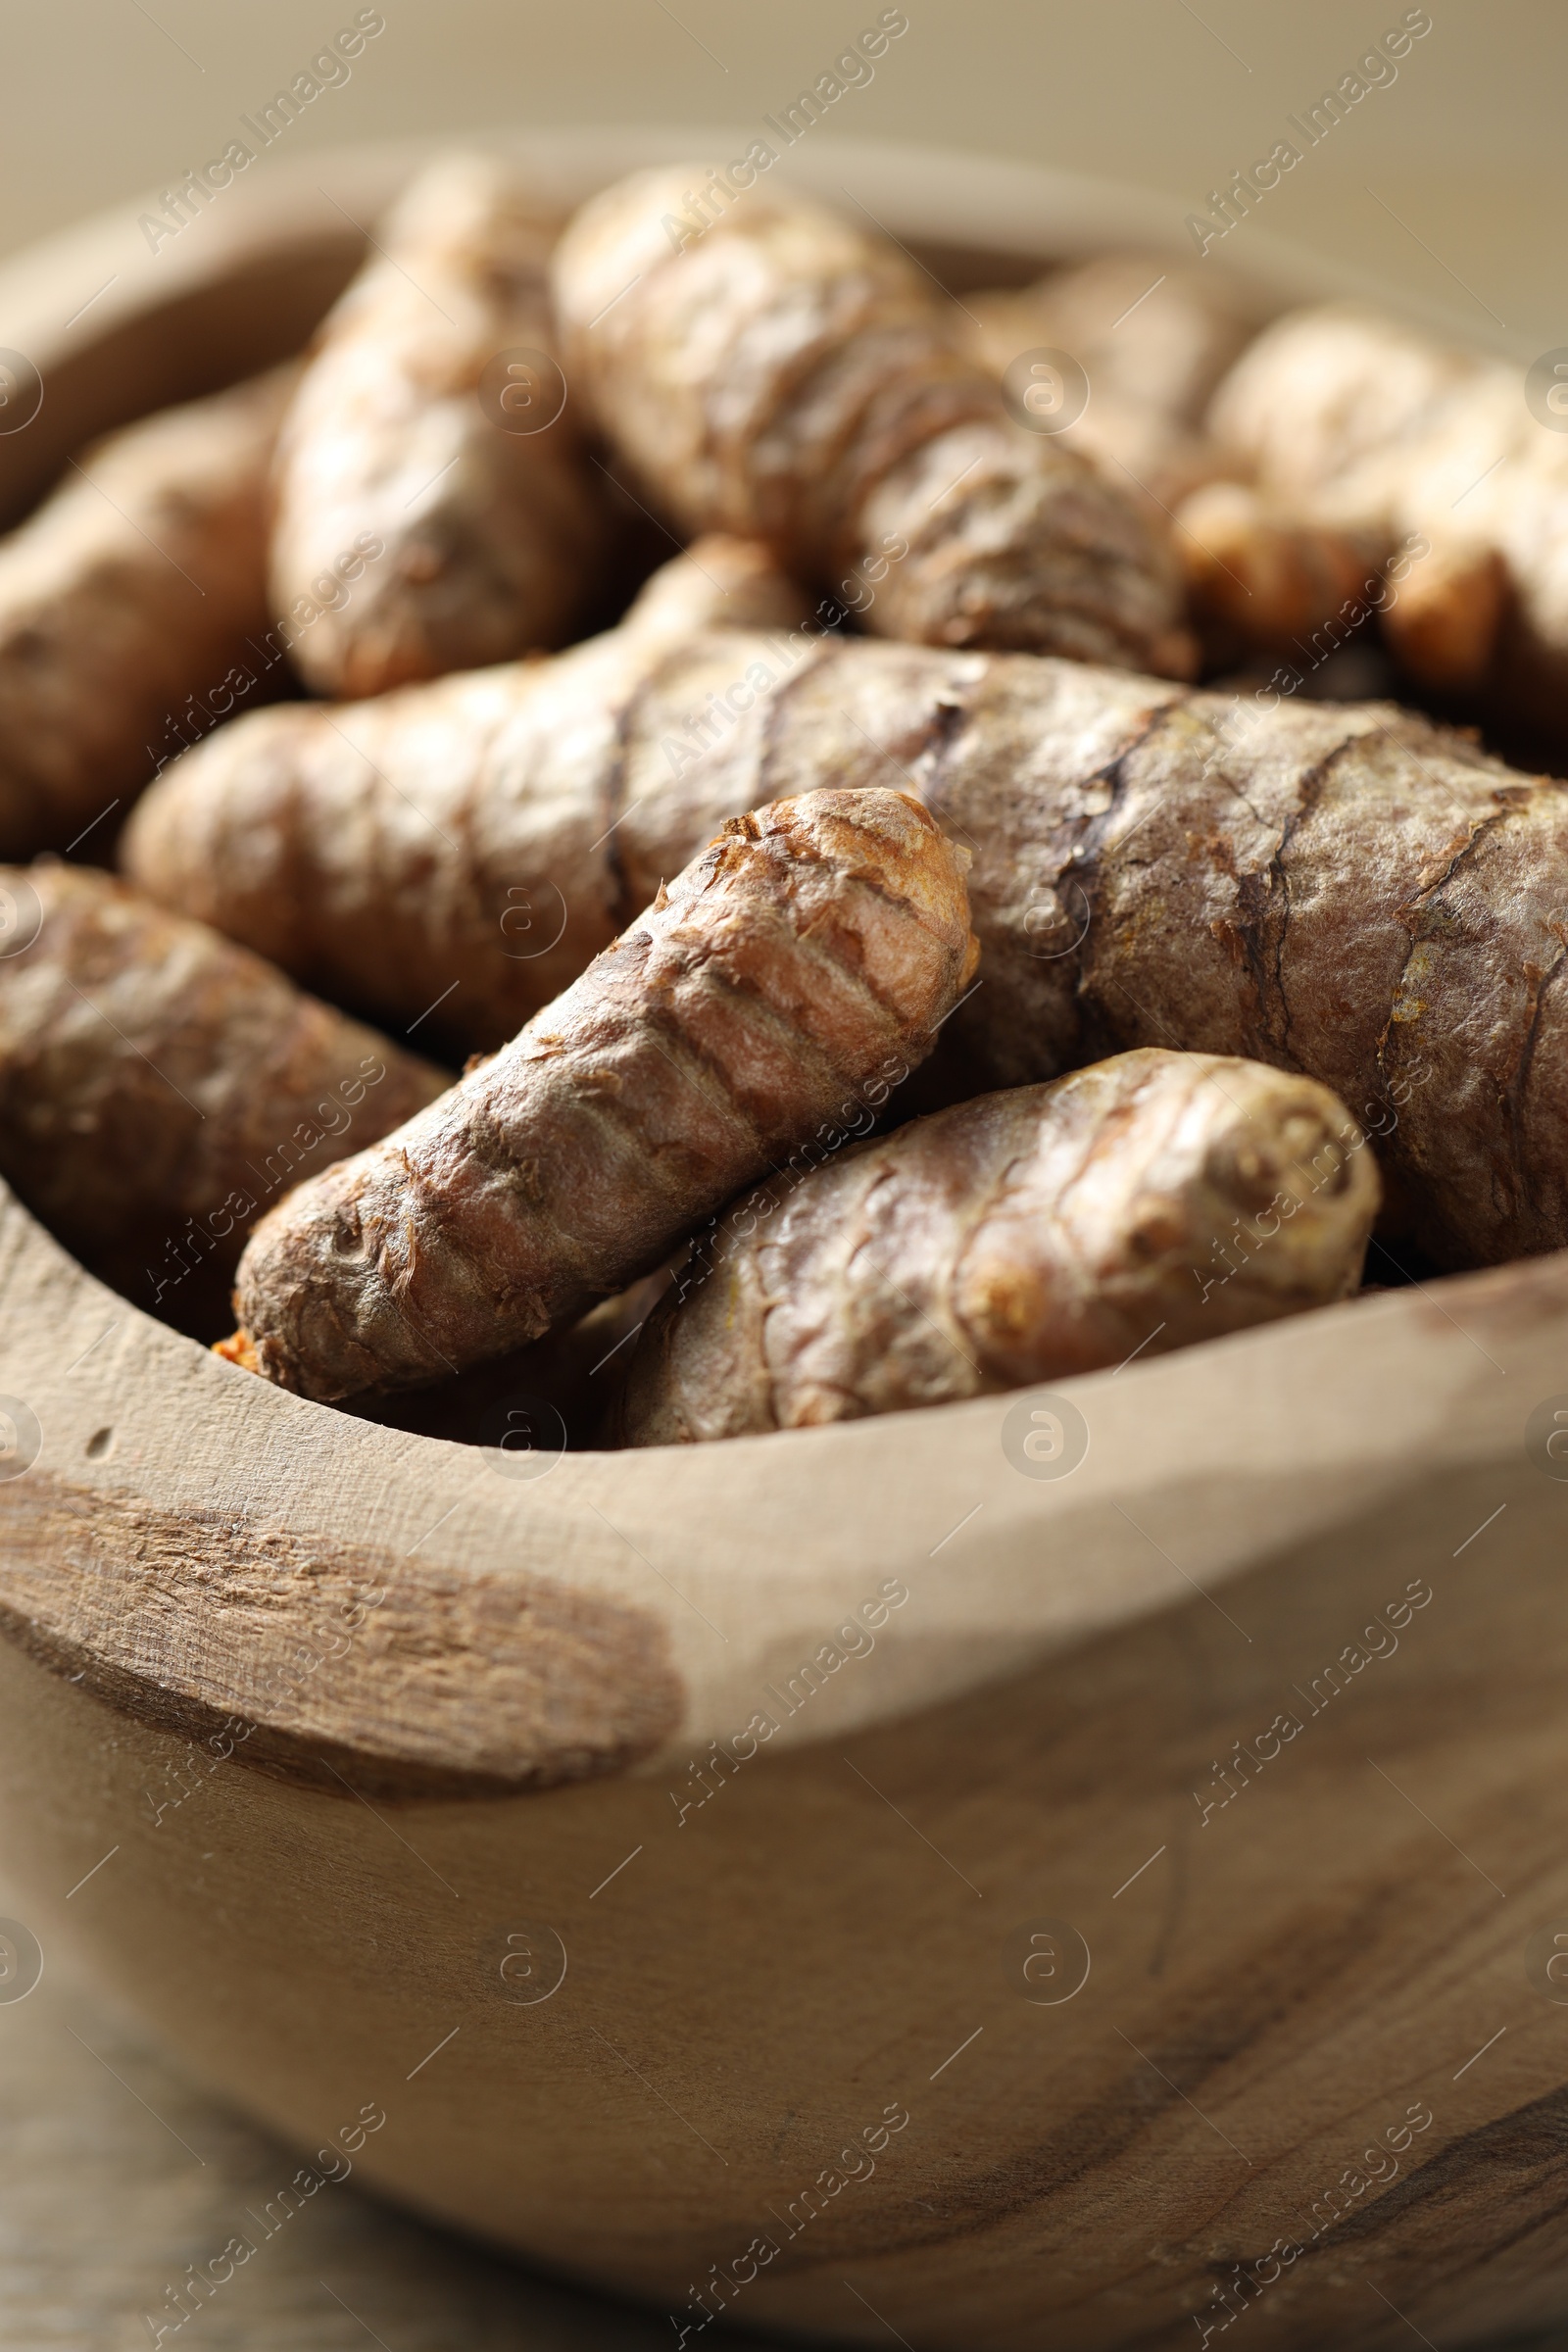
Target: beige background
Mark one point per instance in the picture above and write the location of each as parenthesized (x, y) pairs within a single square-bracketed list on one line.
[(1446, 182)]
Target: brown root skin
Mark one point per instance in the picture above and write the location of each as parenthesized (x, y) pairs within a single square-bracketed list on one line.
[(1445, 624), (1153, 340), (560, 1392), (836, 416), (800, 964), (161, 1087), (1137, 1206), (492, 537), (1373, 427), (1262, 578), (1147, 457), (1341, 888), (719, 582), (1142, 328), (128, 604)]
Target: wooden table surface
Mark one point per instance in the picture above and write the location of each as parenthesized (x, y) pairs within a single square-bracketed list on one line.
[(116, 2171)]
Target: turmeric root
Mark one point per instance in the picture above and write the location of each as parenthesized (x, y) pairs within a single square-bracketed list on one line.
[(126, 603), (1133, 1207), (450, 849), (1153, 339), (1147, 458), (1264, 579), (782, 373), (560, 1394), (718, 582), (1324, 399), (160, 1087), (1375, 428), (1442, 621), (1142, 326), (809, 954), (1341, 888), (433, 415)]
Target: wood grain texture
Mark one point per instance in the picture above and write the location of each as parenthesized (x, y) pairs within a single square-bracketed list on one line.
[(362, 1627), (840, 1929), (629, 1973), (116, 2172)]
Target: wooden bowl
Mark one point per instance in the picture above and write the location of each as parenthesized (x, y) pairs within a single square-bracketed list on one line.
[(1054, 1869)]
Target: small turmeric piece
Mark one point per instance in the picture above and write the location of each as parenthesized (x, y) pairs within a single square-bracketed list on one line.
[(160, 1087), (785, 373), (1372, 427), (1443, 619), (1263, 579), (1139, 1205), (126, 601), (424, 418), (718, 582), (809, 954)]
